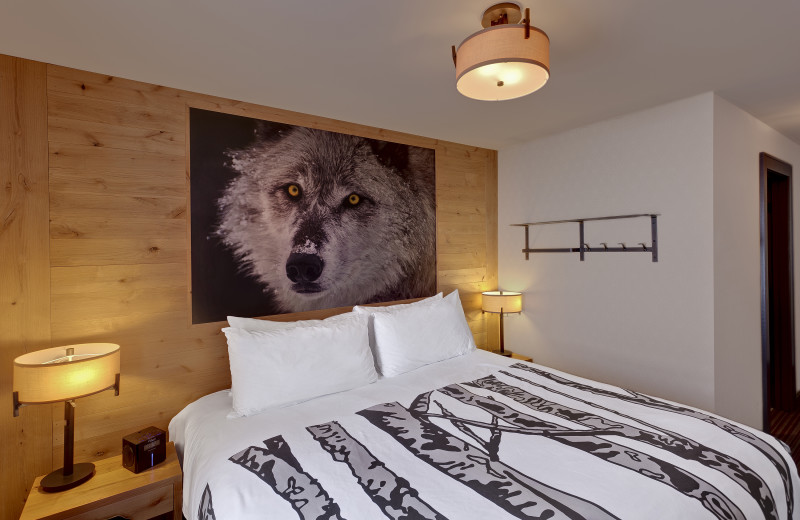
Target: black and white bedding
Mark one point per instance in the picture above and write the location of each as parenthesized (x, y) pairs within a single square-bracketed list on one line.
[(484, 437)]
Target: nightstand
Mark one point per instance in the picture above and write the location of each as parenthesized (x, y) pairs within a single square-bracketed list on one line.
[(521, 357), (114, 491), (513, 355)]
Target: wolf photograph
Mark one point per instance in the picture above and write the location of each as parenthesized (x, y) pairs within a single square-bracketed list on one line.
[(287, 218)]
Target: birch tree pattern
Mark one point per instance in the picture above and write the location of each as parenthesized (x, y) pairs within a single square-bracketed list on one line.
[(206, 509), (664, 439), (510, 489), (651, 402), (460, 431), (393, 494), (278, 467)]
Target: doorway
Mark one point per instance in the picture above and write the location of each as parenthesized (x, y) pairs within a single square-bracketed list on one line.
[(777, 287)]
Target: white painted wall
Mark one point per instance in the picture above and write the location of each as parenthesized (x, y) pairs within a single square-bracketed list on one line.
[(686, 328), (618, 318), (738, 140)]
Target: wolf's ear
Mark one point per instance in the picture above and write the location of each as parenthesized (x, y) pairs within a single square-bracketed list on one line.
[(391, 155)]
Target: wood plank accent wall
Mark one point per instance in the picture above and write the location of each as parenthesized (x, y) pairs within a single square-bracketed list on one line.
[(25, 441), (115, 267)]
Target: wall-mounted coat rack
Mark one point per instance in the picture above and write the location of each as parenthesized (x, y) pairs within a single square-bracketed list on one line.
[(584, 248)]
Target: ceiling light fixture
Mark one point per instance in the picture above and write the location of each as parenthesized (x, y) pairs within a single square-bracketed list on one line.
[(507, 59)]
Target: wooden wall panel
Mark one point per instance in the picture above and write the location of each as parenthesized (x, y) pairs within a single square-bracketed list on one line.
[(492, 322), (25, 447), (114, 136), (119, 247)]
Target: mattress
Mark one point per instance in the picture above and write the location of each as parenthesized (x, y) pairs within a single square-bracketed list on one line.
[(476, 437)]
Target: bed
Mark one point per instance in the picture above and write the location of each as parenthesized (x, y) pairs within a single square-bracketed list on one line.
[(477, 436)]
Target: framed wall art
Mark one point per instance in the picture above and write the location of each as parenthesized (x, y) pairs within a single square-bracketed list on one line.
[(286, 218)]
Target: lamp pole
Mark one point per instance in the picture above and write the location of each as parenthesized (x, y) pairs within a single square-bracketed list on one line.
[(502, 336)]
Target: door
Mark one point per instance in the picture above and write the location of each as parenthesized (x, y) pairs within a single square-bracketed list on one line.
[(777, 300)]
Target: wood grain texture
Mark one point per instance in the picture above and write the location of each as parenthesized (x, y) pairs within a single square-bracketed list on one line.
[(119, 203), (105, 135), (116, 214), (112, 491), (79, 108), (67, 252), (68, 226), (133, 162), (25, 450), (146, 506), (110, 88), (492, 326)]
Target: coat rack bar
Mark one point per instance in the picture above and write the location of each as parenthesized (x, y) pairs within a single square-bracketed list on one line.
[(584, 248)]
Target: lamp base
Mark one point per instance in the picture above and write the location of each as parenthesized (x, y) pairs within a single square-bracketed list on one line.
[(506, 353), (57, 481)]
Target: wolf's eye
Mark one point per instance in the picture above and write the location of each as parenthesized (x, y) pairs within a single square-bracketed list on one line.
[(293, 190), (353, 199)]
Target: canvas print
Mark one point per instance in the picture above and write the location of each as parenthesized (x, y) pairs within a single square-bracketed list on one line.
[(287, 218)]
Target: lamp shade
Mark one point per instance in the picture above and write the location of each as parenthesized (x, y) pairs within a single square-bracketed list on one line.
[(494, 301), (499, 63), (64, 373)]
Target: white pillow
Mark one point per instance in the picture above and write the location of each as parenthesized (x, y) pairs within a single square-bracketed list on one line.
[(282, 367), (267, 325), (391, 308), (420, 335)]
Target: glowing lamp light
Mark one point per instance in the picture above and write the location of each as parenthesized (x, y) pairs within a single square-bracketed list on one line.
[(64, 374), (501, 302), (506, 60), (509, 73)]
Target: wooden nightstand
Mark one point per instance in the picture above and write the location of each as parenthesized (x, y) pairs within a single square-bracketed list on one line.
[(513, 355), (114, 491), (521, 357)]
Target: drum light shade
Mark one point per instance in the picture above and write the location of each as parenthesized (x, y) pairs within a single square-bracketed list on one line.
[(501, 302), (494, 301), (65, 374), (499, 63), (54, 374)]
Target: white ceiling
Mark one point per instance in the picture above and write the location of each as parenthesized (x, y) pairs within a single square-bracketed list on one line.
[(387, 63)]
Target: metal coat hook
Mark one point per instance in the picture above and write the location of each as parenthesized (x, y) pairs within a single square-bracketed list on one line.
[(584, 248)]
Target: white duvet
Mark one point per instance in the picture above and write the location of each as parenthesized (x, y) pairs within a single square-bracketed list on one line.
[(479, 437)]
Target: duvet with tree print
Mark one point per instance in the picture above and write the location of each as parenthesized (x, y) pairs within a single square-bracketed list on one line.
[(522, 442)]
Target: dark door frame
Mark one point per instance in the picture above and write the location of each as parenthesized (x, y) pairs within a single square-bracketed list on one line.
[(769, 163)]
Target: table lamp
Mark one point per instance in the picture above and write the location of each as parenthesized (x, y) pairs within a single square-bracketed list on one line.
[(64, 374), (501, 302)]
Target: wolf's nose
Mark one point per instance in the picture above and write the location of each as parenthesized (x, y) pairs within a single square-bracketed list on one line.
[(302, 267)]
